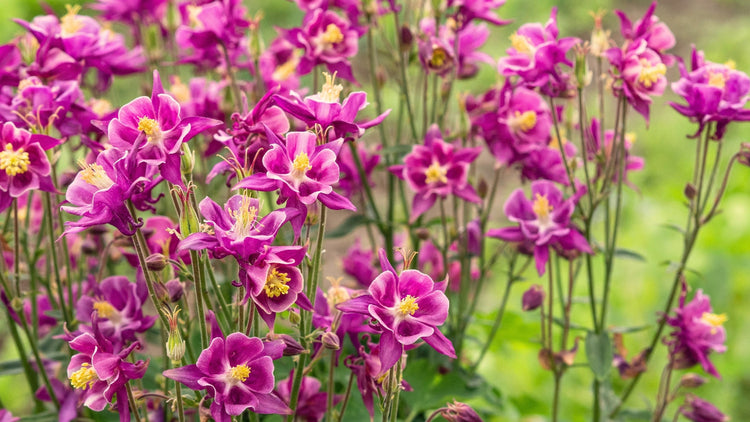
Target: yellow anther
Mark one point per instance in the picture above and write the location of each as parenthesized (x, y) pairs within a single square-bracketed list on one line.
[(70, 23), (408, 305), (151, 128), (714, 320), (14, 161), (239, 373), (541, 207), (439, 55), (301, 164), (193, 12), (106, 310), (94, 174), (332, 35), (330, 92), (436, 173), (101, 107), (716, 79), (730, 64), (522, 121), (649, 74), (25, 83), (244, 217), (521, 43), (84, 377), (276, 283), (286, 70)]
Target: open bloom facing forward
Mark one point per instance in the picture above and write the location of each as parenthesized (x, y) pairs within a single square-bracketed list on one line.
[(237, 373), (408, 307), (435, 170), (543, 221), (697, 332)]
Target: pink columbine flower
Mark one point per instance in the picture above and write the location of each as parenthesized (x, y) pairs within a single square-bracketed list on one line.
[(159, 118), (435, 170), (311, 402), (713, 92), (656, 34), (698, 410), (543, 221), (23, 163), (469, 10), (536, 54), (102, 371), (697, 332), (407, 307), (639, 75), (237, 373)]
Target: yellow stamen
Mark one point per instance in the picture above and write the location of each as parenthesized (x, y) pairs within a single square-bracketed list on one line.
[(106, 310), (436, 173), (714, 320), (731, 64), (330, 91), (630, 138), (301, 164), (193, 12), (84, 377), (94, 174), (286, 70), (522, 121), (408, 305), (244, 217), (439, 55), (14, 161), (541, 207), (276, 283), (649, 75), (151, 128), (70, 23), (332, 35), (521, 43), (101, 107), (25, 83), (555, 143), (239, 373), (180, 91), (716, 79)]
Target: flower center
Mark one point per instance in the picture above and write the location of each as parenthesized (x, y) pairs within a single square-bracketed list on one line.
[(94, 174), (649, 75), (716, 79), (25, 83), (521, 43), (286, 70), (106, 310), (151, 128), (301, 164), (332, 35), (101, 107), (713, 320), (180, 91), (84, 377), (438, 57), (541, 207), (244, 217), (239, 373), (408, 305), (436, 173), (330, 91), (193, 12), (14, 161), (276, 283), (70, 23), (523, 121)]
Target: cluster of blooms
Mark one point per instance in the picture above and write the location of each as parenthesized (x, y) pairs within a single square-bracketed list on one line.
[(289, 156)]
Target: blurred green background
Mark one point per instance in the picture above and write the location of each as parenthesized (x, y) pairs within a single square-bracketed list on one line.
[(720, 261)]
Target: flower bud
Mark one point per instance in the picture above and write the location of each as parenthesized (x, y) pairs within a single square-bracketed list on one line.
[(690, 191), (175, 290), (743, 157), (293, 348), (407, 38), (294, 318), (156, 262), (533, 298), (89, 247), (187, 160), (175, 343), (331, 341), (692, 380), (422, 233), (189, 223), (459, 412)]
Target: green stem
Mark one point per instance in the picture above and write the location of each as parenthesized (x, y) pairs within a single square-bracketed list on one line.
[(495, 326), (31, 378), (53, 253), (39, 362), (131, 400), (346, 396), (331, 385), (200, 293), (560, 143), (403, 82), (236, 96)]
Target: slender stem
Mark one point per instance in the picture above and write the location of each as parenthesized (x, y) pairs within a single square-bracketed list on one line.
[(236, 96), (556, 396), (223, 306), (331, 385), (53, 253), (31, 378), (38, 359), (346, 396), (131, 400), (560, 142), (403, 82), (397, 392), (17, 249)]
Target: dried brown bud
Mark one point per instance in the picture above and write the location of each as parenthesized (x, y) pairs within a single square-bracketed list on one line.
[(692, 380)]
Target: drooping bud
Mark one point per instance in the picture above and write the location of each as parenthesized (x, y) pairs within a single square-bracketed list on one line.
[(690, 191), (459, 412), (407, 38), (293, 348), (331, 341), (156, 262), (533, 298), (692, 380)]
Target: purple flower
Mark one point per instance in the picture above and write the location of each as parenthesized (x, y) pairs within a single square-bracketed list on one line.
[(278, 65), (459, 412), (604, 151), (6, 416), (436, 54), (23, 163), (132, 12), (358, 263), (237, 373), (713, 92), (640, 74), (536, 54), (349, 181), (698, 410), (303, 171), (656, 34), (160, 120), (101, 372), (327, 39), (311, 402), (435, 170), (468, 10), (38, 107), (543, 220), (407, 307), (697, 332), (119, 307), (471, 37)]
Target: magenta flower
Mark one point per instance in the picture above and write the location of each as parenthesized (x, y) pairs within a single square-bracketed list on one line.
[(436, 54), (101, 372), (350, 182), (657, 35), (605, 151), (6, 416), (713, 92), (435, 170), (407, 307), (303, 171), (358, 263), (119, 307), (37, 107), (132, 12), (23, 163), (237, 373), (543, 220), (697, 332), (311, 402), (165, 130), (327, 39), (468, 10), (639, 75), (698, 410), (471, 37), (536, 54), (278, 65)]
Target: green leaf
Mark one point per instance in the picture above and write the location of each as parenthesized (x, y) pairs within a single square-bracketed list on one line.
[(627, 253), (599, 354), (348, 226)]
